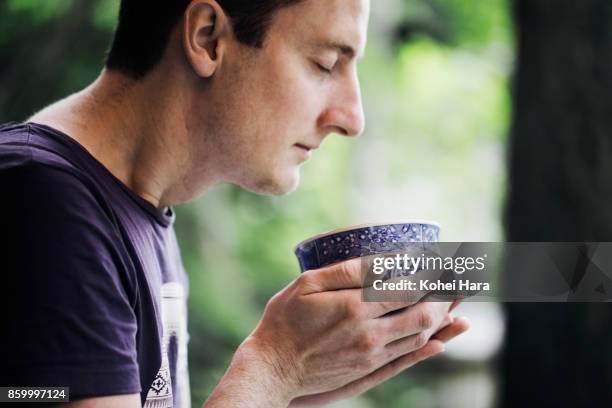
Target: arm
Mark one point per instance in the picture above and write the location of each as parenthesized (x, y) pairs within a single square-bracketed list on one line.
[(318, 343), (251, 381), (69, 314), (112, 401)]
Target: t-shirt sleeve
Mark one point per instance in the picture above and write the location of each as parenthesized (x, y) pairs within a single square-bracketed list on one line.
[(68, 306)]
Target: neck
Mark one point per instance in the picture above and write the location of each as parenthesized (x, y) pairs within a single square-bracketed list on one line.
[(138, 130)]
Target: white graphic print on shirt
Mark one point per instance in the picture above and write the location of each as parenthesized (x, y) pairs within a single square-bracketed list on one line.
[(174, 353)]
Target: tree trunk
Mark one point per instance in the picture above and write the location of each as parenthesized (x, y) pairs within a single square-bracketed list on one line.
[(560, 190)]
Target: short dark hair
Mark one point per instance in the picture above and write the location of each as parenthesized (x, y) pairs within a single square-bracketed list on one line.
[(144, 26)]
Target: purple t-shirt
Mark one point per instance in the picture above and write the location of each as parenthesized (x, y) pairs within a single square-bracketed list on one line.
[(92, 280)]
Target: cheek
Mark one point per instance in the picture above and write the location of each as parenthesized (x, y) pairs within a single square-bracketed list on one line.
[(271, 105), (291, 98)]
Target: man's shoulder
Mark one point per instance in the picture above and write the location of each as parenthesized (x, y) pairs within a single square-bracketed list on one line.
[(21, 143), (44, 181), (42, 194), (14, 149), (56, 221), (33, 162)]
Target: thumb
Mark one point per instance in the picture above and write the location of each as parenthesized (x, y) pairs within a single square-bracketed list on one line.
[(343, 275)]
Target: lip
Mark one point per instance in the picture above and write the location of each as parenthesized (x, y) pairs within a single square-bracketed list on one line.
[(306, 147), (304, 151)]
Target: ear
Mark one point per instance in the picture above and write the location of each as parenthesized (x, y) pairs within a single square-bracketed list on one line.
[(205, 25)]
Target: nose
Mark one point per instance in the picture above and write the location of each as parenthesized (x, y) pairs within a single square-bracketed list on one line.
[(344, 114)]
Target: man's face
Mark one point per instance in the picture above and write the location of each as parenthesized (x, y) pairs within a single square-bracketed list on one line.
[(278, 103)]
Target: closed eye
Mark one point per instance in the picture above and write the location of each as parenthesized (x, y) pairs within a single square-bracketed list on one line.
[(324, 69)]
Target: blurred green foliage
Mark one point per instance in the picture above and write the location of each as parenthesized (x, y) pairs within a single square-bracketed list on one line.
[(458, 23), (435, 86)]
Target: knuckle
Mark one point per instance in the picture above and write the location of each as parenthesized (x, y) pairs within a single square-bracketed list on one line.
[(353, 308), (425, 319), (305, 280), (366, 343), (274, 300), (420, 340), (348, 269)]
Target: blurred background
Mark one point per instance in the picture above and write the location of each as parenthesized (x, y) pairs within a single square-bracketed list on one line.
[(437, 87)]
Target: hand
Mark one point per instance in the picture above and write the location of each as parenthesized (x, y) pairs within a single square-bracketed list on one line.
[(324, 343), (432, 347)]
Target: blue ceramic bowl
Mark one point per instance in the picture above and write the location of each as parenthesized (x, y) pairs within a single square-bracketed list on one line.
[(364, 240)]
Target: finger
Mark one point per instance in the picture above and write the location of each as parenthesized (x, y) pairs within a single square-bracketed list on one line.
[(398, 299), (371, 380), (425, 317), (395, 289), (445, 322), (394, 300), (404, 346), (458, 326), (380, 309), (456, 303), (386, 309), (343, 275), (352, 302), (414, 342)]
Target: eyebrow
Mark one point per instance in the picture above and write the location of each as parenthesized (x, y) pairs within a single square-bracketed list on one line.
[(344, 49)]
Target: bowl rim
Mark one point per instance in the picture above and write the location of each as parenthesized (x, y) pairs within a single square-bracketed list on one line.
[(365, 225)]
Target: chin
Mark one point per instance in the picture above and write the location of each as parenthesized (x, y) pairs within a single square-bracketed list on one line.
[(275, 185)]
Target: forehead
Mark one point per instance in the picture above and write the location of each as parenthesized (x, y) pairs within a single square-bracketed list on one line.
[(343, 22)]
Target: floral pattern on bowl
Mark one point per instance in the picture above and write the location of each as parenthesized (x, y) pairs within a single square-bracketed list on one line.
[(363, 241)]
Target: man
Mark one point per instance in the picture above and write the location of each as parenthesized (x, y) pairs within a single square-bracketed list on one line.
[(194, 93)]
